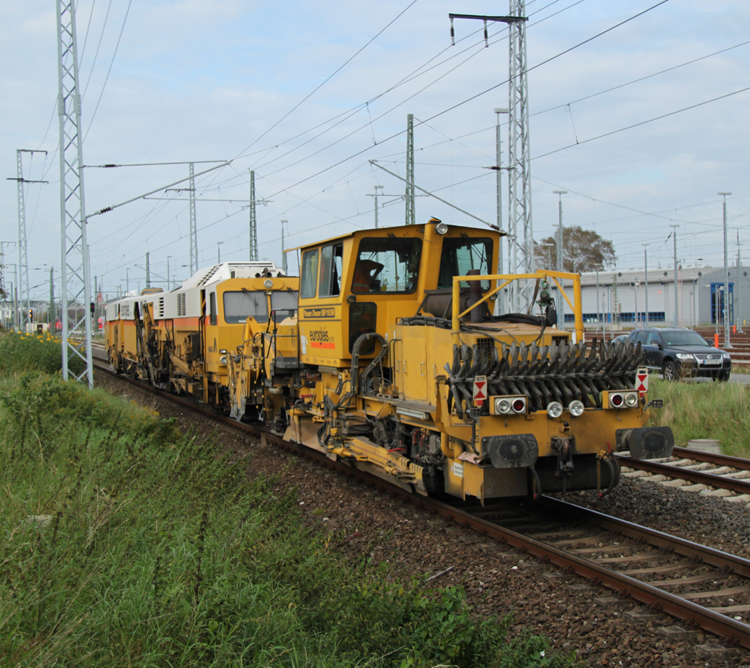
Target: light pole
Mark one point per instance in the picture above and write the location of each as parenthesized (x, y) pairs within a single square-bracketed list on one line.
[(283, 254), (560, 252), (717, 289), (645, 262), (635, 285), (727, 342), (499, 185), (377, 189)]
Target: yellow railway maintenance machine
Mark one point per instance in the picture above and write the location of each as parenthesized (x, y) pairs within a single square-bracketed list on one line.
[(405, 372), (184, 340)]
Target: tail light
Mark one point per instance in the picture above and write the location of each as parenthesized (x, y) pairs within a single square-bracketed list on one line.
[(627, 399)]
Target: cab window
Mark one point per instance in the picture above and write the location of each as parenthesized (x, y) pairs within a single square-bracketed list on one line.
[(462, 256), (212, 307), (309, 273), (330, 270), (283, 304), (640, 337), (387, 265), (241, 305)]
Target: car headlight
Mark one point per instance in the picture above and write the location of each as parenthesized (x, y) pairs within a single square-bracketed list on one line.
[(684, 356), (554, 409), (576, 408), (727, 356)]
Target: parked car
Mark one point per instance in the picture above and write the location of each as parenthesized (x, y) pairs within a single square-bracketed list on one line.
[(679, 352)]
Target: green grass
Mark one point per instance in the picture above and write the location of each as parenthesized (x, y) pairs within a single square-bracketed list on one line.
[(126, 543), (704, 410)]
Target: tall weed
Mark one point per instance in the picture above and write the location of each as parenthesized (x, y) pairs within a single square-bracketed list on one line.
[(127, 543), (704, 410)]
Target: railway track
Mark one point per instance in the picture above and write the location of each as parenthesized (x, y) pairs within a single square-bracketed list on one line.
[(696, 471), (704, 587)]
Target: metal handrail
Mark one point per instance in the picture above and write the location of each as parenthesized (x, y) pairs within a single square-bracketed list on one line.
[(506, 279)]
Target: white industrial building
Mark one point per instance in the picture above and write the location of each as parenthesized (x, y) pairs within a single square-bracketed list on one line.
[(623, 297)]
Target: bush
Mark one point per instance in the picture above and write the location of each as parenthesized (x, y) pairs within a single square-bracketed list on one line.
[(34, 352)]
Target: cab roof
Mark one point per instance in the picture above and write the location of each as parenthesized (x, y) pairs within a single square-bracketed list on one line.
[(395, 228)]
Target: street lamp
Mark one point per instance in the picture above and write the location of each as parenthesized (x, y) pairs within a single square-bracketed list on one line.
[(283, 252), (727, 343), (635, 285), (560, 265)]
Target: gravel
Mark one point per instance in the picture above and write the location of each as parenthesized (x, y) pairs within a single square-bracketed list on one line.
[(599, 626)]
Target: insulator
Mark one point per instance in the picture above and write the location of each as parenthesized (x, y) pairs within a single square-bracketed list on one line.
[(486, 40), (453, 34)]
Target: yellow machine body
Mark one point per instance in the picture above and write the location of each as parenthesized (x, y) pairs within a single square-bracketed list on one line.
[(386, 353)]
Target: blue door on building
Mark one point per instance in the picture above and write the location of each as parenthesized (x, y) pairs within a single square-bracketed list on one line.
[(717, 303)]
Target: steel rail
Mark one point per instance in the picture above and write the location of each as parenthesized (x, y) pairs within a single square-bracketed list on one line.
[(731, 630), (712, 458), (698, 477), (653, 537)]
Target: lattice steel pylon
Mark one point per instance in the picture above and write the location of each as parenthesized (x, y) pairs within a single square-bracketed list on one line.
[(193, 224), (520, 226), (253, 221), (23, 258), (76, 289), (410, 208)]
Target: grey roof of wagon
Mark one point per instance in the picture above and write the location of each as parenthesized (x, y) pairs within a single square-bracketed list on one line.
[(222, 272)]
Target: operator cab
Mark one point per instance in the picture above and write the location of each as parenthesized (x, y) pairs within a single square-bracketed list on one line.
[(363, 282)]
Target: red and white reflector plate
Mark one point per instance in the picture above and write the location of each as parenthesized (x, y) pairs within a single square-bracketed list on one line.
[(641, 380), (480, 390)]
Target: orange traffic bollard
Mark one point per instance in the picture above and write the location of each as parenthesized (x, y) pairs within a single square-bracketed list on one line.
[(716, 340), (734, 329)]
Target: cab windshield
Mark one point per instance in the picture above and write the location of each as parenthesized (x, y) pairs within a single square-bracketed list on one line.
[(388, 264), (239, 306), (462, 257)]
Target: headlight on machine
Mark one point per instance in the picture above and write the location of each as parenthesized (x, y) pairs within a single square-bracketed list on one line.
[(502, 406), (554, 409), (685, 356), (576, 408), (509, 405), (631, 399)]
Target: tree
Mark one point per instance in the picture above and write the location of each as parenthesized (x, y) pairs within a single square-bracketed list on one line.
[(583, 250)]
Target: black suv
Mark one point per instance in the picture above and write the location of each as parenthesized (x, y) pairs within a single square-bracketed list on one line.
[(680, 352)]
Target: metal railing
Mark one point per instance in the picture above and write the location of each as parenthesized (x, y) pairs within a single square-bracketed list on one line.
[(503, 280)]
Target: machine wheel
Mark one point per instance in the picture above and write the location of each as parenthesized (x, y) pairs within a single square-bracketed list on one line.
[(669, 370)]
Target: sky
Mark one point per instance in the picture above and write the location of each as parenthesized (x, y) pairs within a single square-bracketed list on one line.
[(637, 109)]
